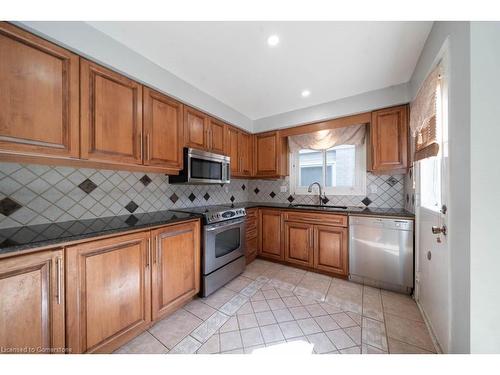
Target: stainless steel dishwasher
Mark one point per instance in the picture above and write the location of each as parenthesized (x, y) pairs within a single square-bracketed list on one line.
[(381, 252)]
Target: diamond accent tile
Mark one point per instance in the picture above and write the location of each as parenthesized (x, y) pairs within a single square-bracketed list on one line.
[(391, 181), (192, 197), (272, 194), (256, 190), (146, 180), (174, 198), (243, 187), (87, 186), (8, 206), (206, 196), (131, 206), (290, 198), (232, 198), (366, 201)]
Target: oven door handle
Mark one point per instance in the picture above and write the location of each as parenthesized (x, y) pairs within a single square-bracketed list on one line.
[(224, 227)]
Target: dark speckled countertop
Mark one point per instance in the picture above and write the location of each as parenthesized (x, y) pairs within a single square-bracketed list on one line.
[(350, 210), (30, 237)]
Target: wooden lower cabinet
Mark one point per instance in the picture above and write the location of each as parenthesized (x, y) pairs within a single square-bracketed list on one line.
[(176, 266), (330, 249), (108, 291), (251, 235), (32, 303), (270, 244), (299, 243)]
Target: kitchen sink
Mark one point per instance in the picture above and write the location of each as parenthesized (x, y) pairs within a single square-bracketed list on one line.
[(320, 206)]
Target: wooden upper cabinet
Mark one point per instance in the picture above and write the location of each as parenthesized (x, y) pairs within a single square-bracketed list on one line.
[(111, 116), (108, 292), (216, 136), (176, 266), (245, 154), (232, 150), (389, 140), (331, 249), (271, 155), (32, 302), (298, 243), (163, 130), (270, 234), (39, 98), (195, 128)]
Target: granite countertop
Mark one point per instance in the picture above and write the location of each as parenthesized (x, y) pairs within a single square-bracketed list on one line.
[(350, 210), (30, 237)]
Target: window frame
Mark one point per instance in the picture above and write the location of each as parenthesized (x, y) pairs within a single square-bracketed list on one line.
[(359, 187)]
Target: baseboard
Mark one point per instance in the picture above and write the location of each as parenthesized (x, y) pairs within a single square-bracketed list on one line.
[(434, 339)]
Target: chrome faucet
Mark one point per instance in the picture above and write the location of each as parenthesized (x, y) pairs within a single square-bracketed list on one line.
[(320, 196)]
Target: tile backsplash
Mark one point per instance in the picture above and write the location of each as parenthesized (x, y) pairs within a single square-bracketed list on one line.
[(37, 194)]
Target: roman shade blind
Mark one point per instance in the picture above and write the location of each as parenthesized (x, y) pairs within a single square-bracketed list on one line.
[(423, 117)]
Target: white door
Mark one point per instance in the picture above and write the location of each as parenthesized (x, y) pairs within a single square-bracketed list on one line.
[(432, 257)]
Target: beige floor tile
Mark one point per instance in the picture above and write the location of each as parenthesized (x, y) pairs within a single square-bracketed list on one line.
[(280, 343), (271, 294), (409, 331), (284, 293), (291, 301), (276, 304), (219, 298), (238, 283), (206, 329), (280, 284), (234, 351), (309, 326), (372, 303), (368, 349), (271, 333), (373, 333), (340, 339), (399, 347), (212, 346), (247, 321), (252, 349), (354, 333), (258, 296), (343, 320), (145, 343), (353, 350), (299, 312), (265, 318), (316, 310), (329, 308), (230, 325), (290, 329), (234, 304), (251, 337), (171, 330), (326, 323), (321, 343), (187, 346), (355, 317), (346, 295), (307, 300), (283, 315), (200, 309), (401, 305), (259, 306), (245, 309), (230, 341)]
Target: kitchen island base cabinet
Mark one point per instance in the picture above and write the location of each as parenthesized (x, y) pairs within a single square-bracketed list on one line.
[(330, 249), (108, 292), (32, 303), (176, 267), (270, 234)]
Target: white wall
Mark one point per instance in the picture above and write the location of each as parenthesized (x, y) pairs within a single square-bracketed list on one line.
[(365, 102), (457, 34), (83, 39), (485, 182)]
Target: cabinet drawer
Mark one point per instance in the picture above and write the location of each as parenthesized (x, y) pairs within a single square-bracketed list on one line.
[(251, 233), (314, 218)]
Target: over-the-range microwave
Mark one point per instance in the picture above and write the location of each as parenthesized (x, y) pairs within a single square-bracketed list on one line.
[(201, 167)]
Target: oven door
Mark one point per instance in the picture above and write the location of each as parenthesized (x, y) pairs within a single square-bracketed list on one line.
[(224, 242)]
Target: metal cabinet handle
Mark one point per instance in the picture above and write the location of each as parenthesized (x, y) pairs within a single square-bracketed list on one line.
[(149, 253), (59, 281), (155, 250), (142, 145), (148, 147)]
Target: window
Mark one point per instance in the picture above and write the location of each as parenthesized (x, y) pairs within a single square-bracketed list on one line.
[(340, 170)]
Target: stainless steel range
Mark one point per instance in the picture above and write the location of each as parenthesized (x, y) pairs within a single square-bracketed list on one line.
[(223, 252)]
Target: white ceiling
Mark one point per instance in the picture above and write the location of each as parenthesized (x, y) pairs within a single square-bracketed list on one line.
[(232, 62)]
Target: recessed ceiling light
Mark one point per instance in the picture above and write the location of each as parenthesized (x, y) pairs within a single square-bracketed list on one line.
[(273, 40), (305, 93)]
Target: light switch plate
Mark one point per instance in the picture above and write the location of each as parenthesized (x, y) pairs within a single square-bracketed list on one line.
[(283, 188)]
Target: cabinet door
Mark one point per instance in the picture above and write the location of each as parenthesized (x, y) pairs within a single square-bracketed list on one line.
[(245, 153), (111, 116), (389, 139), (299, 243), (108, 292), (265, 154), (232, 150), (32, 302), (195, 128), (330, 249), (39, 96), (216, 134), (270, 234), (163, 130), (176, 266)]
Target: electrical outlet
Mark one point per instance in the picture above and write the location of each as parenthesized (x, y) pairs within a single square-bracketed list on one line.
[(283, 188)]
